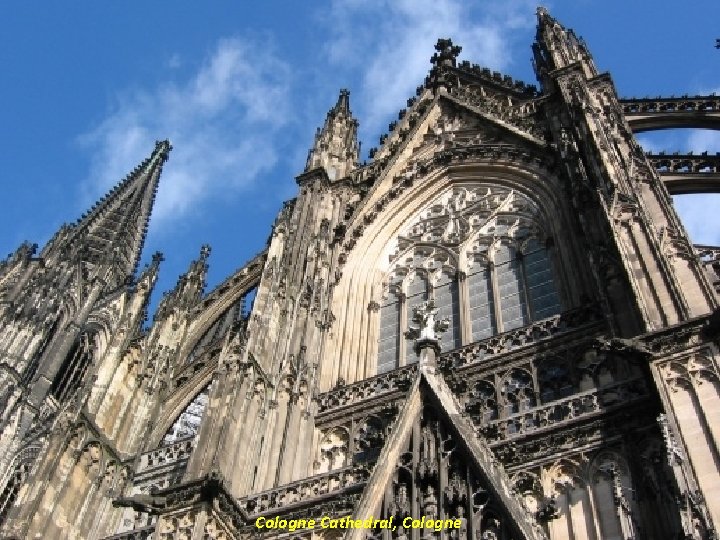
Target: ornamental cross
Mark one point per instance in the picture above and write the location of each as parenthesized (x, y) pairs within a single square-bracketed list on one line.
[(428, 325)]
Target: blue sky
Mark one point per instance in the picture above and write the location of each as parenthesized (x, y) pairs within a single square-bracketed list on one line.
[(239, 88)]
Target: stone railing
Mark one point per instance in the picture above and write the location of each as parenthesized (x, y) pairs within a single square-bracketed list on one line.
[(305, 491), (671, 104), (520, 337), (497, 78), (577, 406), (172, 455), (398, 380), (685, 163), (146, 533)]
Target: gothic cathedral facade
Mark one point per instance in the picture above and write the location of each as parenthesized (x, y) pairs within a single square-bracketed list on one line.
[(498, 322)]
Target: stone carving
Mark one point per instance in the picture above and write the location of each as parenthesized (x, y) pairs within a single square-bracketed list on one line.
[(565, 322), (303, 492), (428, 327)]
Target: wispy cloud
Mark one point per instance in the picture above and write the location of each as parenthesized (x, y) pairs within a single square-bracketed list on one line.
[(391, 42), (222, 121)]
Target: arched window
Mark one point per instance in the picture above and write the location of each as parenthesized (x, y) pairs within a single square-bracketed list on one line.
[(481, 253), (20, 471), (72, 372), (537, 272), (482, 303)]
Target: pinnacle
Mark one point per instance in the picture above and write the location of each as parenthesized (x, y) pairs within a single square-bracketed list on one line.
[(544, 17), (446, 54), (343, 102), (335, 147)]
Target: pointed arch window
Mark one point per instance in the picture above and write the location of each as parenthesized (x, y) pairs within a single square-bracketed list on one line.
[(20, 471), (75, 366), (540, 285), (480, 253), (481, 302)]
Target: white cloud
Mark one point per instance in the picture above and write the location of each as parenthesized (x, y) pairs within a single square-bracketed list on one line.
[(392, 42), (221, 120)]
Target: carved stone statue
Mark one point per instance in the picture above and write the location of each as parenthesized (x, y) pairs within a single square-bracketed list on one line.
[(428, 326)]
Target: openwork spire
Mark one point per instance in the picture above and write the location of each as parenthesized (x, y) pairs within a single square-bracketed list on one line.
[(336, 147), (113, 231)]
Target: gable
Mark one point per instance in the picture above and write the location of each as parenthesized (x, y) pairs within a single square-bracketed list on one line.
[(435, 467)]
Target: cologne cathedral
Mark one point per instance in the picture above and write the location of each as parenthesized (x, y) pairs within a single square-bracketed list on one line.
[(497, 321)]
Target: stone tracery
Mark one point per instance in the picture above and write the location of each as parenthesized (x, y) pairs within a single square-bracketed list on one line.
[(480, 252)]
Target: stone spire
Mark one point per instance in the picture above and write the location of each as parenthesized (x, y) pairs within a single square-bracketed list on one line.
[(556, 47), (113, 232), (336, 147)]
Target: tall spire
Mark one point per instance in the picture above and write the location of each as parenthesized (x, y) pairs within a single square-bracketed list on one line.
[(113, 231), (336, 148), (556, 47)]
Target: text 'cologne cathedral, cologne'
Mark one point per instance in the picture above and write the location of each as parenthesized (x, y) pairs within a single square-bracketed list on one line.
[(497, 324)]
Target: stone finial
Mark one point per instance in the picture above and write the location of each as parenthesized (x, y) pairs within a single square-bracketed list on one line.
[(157, 257), (446, 54), (163, 148), (428, 326), (439, 78), (343, 102)]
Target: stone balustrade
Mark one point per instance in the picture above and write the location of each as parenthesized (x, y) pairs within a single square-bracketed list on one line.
[(520, 337), (670, 104), (580, 405), (304, 491), (172, 455)]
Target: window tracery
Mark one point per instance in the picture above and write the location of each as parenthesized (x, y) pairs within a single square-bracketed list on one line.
[(72, 372), (481, 253), (20, 471), (334, 450)]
